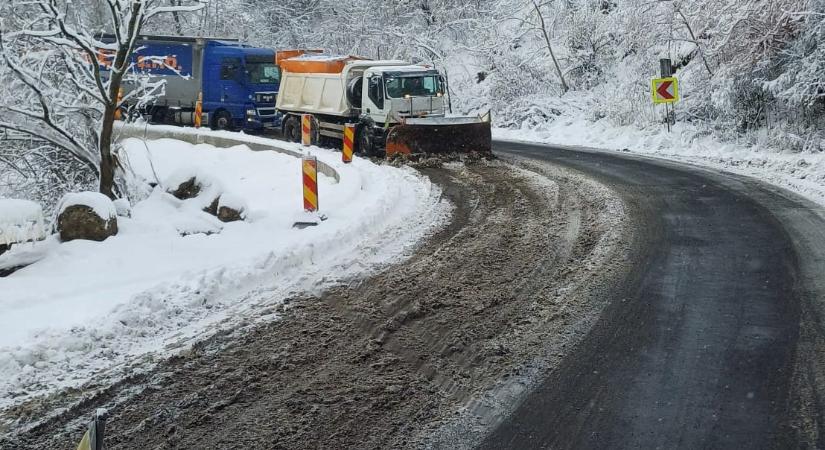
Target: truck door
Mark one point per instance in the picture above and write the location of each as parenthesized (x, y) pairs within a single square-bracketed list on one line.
[(374, 102), (225, 85), (232, 81)]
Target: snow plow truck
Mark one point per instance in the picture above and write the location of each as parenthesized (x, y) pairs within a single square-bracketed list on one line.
[(397, 108)]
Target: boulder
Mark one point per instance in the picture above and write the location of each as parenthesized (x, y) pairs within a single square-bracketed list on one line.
[(213, 207), (187, 189), (227, 214), (88, 216), (20, 221), (231, 208)]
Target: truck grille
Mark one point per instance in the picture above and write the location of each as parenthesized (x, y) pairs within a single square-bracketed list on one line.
[(265, 97), (266, 112)]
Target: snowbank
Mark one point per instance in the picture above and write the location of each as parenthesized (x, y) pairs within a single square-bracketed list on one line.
[(174, 272), (803, 173), (20, 221)]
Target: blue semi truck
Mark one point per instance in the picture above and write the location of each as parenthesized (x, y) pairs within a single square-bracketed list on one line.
[(239, 83)]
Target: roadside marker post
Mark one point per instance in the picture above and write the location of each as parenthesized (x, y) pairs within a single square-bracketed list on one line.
[(93, 438), (309, 172), (665, 90), (310, 178), (199, 110), (306, 129), (349, 142)]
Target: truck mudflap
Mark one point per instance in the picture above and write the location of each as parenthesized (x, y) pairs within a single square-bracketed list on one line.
[(441, 135)]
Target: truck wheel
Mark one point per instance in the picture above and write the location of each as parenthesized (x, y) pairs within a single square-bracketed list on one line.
[(363, 144), (222, 121), (292, 129), (158, 115)]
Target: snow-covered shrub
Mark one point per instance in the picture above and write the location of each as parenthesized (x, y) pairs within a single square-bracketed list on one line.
[(531, 112), (20, 221), (40, 172)]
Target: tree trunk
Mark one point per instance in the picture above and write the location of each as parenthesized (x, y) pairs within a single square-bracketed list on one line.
[(118, 70), (176, 18), (564, 87), (107, 163), (695, 41)]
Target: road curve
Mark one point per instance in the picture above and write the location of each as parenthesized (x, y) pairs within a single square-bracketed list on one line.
[(716, 339)]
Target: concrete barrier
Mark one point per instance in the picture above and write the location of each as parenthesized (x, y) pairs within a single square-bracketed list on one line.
[(201, 136)]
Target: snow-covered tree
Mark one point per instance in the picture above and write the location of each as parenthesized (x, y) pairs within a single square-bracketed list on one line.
[(64, 75)]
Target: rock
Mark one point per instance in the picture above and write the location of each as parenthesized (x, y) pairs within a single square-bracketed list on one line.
[(88, 216), (188, 189), (213, 207), (227, 214), (231, 208)]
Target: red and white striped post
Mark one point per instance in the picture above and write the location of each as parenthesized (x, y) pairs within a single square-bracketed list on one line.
[(306, 129), (349, 142), (310, 172)]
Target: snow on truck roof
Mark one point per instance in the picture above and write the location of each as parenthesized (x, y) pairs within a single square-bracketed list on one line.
[(317, 63), (409, 68)]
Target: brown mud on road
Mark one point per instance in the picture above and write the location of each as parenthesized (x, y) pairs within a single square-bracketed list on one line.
[(512, 283)]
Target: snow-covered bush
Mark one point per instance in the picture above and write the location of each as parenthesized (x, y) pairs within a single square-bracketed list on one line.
[(40, 172), (20, 221)]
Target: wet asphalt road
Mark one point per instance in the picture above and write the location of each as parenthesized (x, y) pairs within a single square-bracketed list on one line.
[(698, 348)]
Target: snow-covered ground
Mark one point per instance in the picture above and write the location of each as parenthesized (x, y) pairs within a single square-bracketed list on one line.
[(174, 273), (803, 173)]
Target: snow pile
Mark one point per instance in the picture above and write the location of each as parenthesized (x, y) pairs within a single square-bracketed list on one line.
[(175, 273), (801, 172), (123, 208), (20, 221), (99, 203)]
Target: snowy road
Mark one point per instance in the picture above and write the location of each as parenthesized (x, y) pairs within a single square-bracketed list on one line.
[(576, 299), (713, 340)]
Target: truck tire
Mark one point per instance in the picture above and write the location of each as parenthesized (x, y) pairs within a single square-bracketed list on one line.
[(364, 145), (292, 128), (222, 120), (158, 115)]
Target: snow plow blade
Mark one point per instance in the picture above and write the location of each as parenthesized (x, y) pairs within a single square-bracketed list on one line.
[(440, 135)]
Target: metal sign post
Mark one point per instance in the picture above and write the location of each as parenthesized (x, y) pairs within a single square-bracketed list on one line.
[(665, 68), (665, 71), (665, 90)]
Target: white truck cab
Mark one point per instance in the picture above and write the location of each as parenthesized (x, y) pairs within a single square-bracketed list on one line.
[(391, 94)]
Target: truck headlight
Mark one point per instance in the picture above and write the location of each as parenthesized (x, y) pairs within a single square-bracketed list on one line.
[(250, 113)]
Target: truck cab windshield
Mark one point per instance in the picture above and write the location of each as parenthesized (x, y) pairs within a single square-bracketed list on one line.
[(415, 86), (263, 73)]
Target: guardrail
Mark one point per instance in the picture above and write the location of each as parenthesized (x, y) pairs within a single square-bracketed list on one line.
[(218, 139)]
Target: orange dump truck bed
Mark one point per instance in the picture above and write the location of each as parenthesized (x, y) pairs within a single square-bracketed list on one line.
[(311, 61)]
